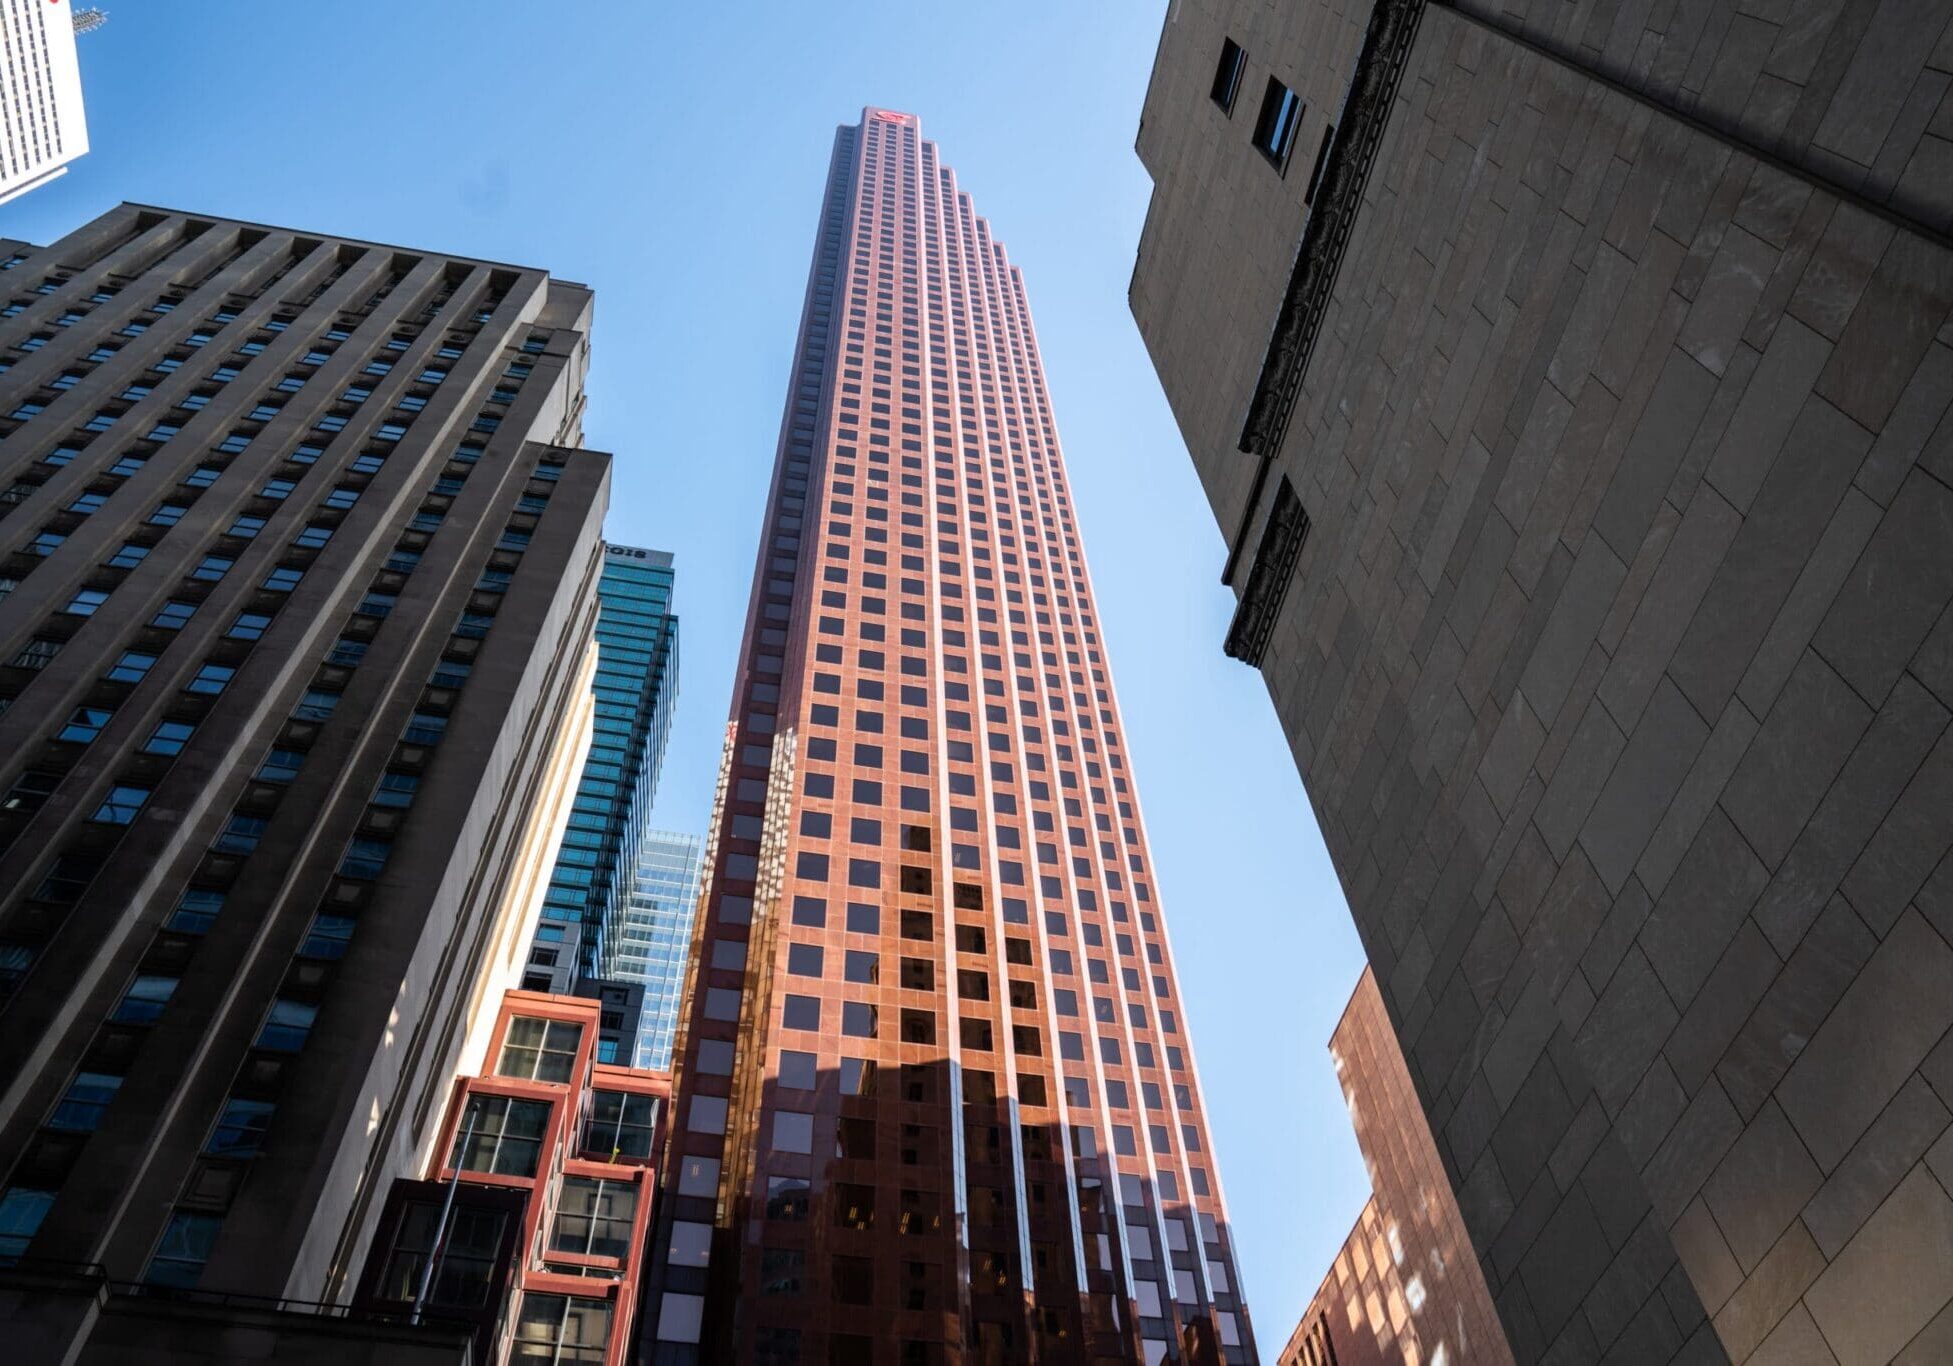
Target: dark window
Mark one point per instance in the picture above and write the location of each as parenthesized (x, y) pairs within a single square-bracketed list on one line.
[(1227, 76), (1281, 115)]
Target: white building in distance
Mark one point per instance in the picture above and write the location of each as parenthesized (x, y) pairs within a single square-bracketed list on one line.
[(42, 127)]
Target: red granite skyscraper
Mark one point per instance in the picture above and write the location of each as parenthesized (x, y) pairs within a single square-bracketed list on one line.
[(936, 1098)]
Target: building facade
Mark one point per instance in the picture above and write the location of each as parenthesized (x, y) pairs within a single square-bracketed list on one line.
[(936, 1100), (1570, 391), (533, 1219), (42, 124), (296, 654), (1405, 1290), (650, 944), (637, 691)]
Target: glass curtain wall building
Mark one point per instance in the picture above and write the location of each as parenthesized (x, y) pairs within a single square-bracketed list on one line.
[(936, 1099), (651, 934), (637, 689)]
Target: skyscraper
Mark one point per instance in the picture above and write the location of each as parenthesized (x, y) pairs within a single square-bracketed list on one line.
[(1571, 386), (651, 942), (1406, 1289), (295, 663), (637, 690), (42, 124), (936, 1099)]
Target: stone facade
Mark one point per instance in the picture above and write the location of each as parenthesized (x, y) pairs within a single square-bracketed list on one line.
[(1616, 660), (296, 651)]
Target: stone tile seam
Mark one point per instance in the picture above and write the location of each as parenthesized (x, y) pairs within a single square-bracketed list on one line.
[(1732, 140)]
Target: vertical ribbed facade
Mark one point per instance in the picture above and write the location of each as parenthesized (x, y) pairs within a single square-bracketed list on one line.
[(295, 657), (936, 1100), (637, 691)]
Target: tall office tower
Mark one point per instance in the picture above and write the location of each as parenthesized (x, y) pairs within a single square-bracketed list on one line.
[(650, 944), (637, 690), (1406, 1289), (1570, 384), (295, 661), (42, 125), (936, 1098)]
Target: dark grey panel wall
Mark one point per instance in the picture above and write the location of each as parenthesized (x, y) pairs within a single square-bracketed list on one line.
[(1618, 668)]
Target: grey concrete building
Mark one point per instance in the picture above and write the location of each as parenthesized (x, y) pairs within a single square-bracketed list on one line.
[(1570, 384), (296, 652)]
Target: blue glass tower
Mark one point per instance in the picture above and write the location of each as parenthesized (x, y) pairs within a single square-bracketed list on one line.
[(651, 937), (637, 689)]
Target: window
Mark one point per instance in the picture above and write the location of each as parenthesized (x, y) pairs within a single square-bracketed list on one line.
[(131, 667), (621, 1124), (80, 1107), (540, 1050), (174, 615), (84, 603), (315, 705), (283, 579), (500, 1134), (248, 626), (212, 568), (240, 1129), (561, 1329), (169, 737), (366, 859), (196, 910), (129, 556), (120, 806), (184, 1248), (280, 766), (287, 1025), (1281, 115), (211, 679), (1227, 76), (21, 1213), (84, 725), (465, 1266), (594, 1217), (143, 1002)]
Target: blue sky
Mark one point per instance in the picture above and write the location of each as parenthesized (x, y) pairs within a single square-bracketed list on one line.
[(671, 156)]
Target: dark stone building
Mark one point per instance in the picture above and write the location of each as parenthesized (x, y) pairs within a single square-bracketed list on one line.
[(1570, 385), (295, 664)]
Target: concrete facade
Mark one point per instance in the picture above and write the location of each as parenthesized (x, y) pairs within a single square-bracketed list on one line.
[(1582, 457), (296, 648)]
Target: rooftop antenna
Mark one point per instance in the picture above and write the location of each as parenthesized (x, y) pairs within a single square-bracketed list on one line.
[(88, 20)]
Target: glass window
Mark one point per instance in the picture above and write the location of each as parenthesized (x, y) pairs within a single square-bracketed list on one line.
[(21, 1213), (594, 1217), (196, 910), (131, 667), (84, 603), (464, 1269), (143, 1002), (561, 1329), (540, 1050), (240, 1129), (120, 806), (184, 1248), (211, 679), (84, 725), (169, 737), (80, 1108), (501, 1134), (286, 1027), (621, 1124), (174, 615)]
